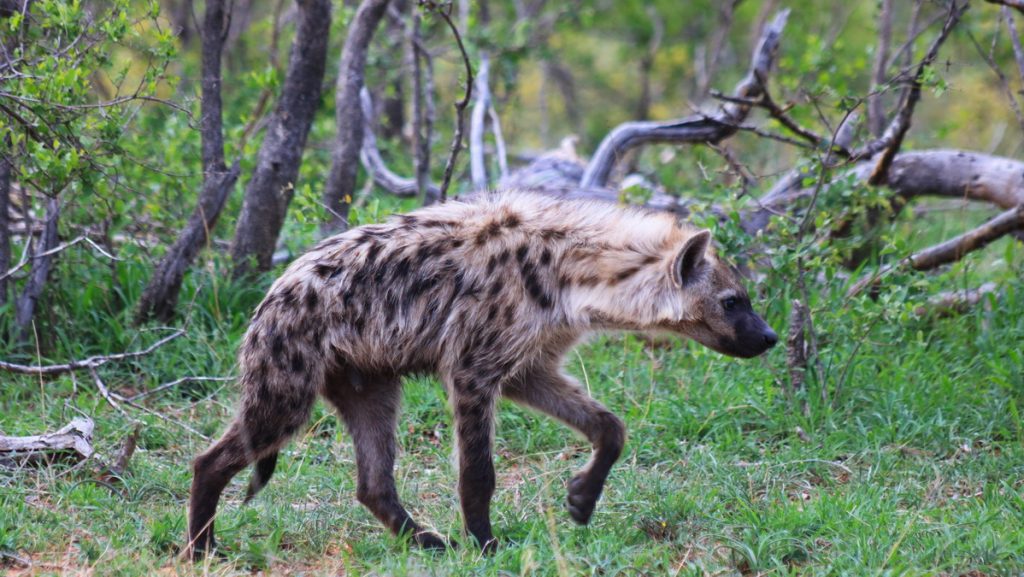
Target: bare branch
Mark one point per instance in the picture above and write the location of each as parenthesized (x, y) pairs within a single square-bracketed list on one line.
[(697, 128), (374, 163), (1018, 50), (891, 141), (75, 437), (499, 142), (952, 250), (61, 247), (87, 363), (1015, 4), (460, 106)]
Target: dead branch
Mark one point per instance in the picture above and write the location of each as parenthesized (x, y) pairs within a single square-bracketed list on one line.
[(87, 363), (697, 128), (172, 384), (1018, 50), (713, 55), (1015, 4), (891, 141), (460, 106), (951, 303), (59, 248), (1004, 84), (374, 163), (73, 440), (952, 250)]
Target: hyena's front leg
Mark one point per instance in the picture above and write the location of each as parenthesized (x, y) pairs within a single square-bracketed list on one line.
[(473, 402), (547, 390)]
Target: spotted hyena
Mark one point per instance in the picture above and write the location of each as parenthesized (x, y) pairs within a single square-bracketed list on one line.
[(489, 295)]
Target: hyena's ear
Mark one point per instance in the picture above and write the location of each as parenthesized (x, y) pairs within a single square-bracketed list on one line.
[(686, 263)]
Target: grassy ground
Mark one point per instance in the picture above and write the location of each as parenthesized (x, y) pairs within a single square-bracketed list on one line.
[(914, 466)]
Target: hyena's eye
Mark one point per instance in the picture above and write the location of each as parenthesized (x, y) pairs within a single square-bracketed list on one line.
[(730, 303)]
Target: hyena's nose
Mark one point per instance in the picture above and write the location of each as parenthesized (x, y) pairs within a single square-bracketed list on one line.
[(770, 338)]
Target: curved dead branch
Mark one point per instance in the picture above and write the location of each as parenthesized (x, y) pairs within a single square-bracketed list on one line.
[(696, 128), (374, 164)]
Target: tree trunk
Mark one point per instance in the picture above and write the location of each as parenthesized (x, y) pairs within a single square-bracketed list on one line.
[(5, 225), (25, 308), (273, 181), (161, 295), (341, 181)]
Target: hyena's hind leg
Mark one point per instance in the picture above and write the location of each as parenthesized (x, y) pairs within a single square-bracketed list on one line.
[(264, 423), (547, 390), (369, 407)]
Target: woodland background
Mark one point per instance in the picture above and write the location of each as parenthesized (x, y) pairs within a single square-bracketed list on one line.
[(860, 161)]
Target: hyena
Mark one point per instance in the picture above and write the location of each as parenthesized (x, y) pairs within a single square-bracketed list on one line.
[(489, 295)]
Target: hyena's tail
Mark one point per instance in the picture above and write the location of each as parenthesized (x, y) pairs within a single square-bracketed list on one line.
[(260, 475), (280, 379)]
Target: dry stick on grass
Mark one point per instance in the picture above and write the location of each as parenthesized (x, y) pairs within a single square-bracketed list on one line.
[(87, 363), (74, 439), (950, 303), (172, 384), (444, 11), (952, 250)]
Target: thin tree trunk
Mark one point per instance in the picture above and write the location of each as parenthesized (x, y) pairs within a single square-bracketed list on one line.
[(876, 106), (5, 225), (341, 181), (25, 308), (273, 181), (161, 295)]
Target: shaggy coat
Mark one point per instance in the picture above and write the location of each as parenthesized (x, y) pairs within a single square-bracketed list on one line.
[(489, 295)]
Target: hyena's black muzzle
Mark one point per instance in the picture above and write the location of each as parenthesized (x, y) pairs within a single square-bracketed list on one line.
[(751, 335)]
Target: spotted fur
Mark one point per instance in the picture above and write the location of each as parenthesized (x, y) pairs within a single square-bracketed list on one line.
[(489, 295)]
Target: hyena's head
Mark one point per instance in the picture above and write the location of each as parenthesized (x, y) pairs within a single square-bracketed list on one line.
[(716, 309)]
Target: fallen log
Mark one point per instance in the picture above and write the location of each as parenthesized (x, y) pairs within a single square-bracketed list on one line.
[(72, 442)]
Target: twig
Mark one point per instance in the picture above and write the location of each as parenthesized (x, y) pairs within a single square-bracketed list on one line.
[(173, 384), (876, 107), (88, 363), (1003, 83), (499, 141), (63, 246), (891, 141), (105, 392), (1018, 51), (444, 11), (1015, 4)]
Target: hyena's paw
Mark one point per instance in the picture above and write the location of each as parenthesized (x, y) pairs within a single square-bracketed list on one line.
[(583, 496), (432, 541)]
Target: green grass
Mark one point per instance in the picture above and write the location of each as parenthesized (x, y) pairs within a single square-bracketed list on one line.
[(915, 466)]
